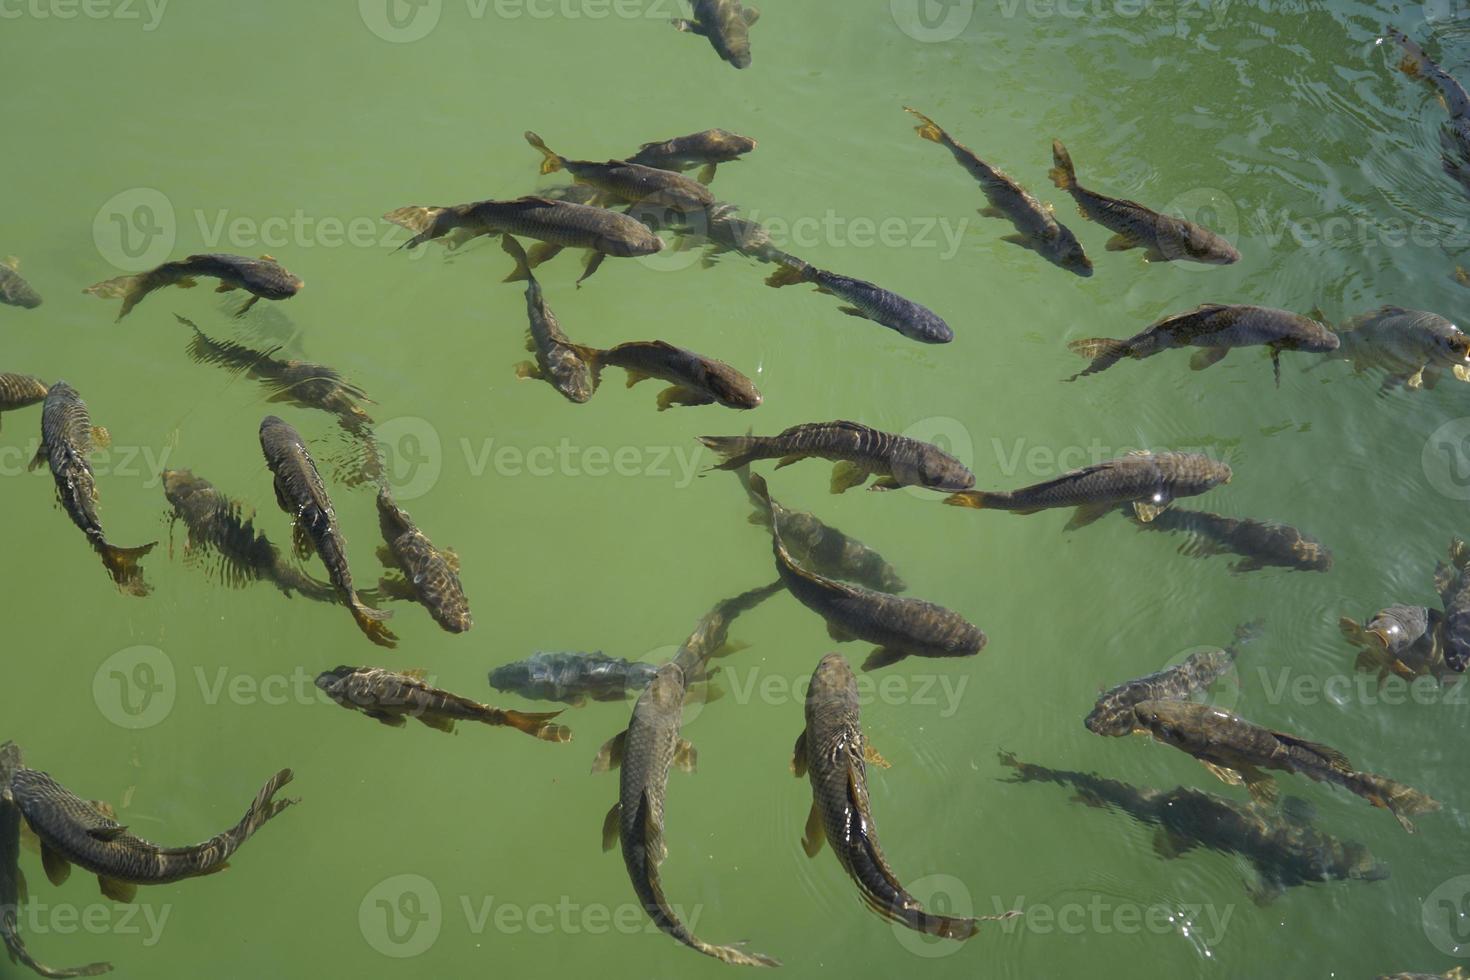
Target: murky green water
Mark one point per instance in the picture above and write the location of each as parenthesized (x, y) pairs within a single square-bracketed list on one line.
[(135, 133)]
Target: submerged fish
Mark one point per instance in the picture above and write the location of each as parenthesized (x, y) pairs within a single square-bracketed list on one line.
[(67, 439), (1148, 481), (558, 362), (1404, 640), (1452, 582), (726, 25), (263, 278), (1413, 348), (573, 678), (1454, 135), (20, 391), (15, 291), (868, 302), (390, 697), (858, 451), (422, 572), (1455, 973), (1165, 237), (1036, 225), (723, 230), (1215, 328), (706, 150), (1259, 543), (629, 183), (695, 379)]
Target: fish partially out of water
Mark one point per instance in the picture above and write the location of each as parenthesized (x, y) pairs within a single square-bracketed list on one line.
[(1113, 712), (867, 301), (1164, 237), (858, 451), (1412, 348), (421, 572), (1036, 225), (1260, 544), (20, 391), (694, 378), (1281, 845), (15, 291), (1452, 582), (558, 362), (705, 150), (262, 278), (391, 697), (1238, 752), (629, 183), (67, 439), (73, 831), (1149, 482), (833, 752), (1454, 134), (302, 494), (726, 25), (1407, 641), (573, 678)]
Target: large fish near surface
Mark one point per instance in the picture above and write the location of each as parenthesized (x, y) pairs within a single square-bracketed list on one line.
[(1238, 752), (705, 150), (12, 882), (726, 25), (1216, 329), (15, 291), (1404, 640), (1455, 973), (867, 301), (262, 278), (558, 362), (1260, 544), (67, 439), (693, 378), (75, 832), (629, 183), (1413, 348), (301, 493), (424, 574), (1036, 225), (1452, 582), (573, 678), (20, 391), (1281, 845), (858, 451), (723, 230), (1150, 482), (833, 753), (1454, 135), (392, 696), (900, 626), (1165, 237)]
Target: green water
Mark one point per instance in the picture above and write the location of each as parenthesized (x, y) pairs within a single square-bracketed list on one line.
[(288, 128)]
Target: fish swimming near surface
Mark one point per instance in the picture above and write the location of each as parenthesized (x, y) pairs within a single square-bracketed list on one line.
[(1454, 134), (573, 678), (629, 183), (558, 362), (858, 452), (15, 291), (1165, 237), (262, 278), (1036, 225), (1260, 544), (693, 378), (73, 831), (1455, 973), (867, 301), (67, 439), (833, 752), (20, 391), (1404, 640), (726, 25), (705, 150), (421, 572), (391, 697), (723, 230), (1452, 582), (1412, 348), (302, 494), (1149, 482)]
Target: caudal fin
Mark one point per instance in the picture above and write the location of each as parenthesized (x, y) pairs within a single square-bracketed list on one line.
[(1063, 174), (420, 219), (535, 724), (123, 565), (928, 128), (973, 499), (1400, 800), (264, 808), (790, 274), (552, 163), (130, 289), (734, 451), (371, 622), (522, 271), (1104, 352)]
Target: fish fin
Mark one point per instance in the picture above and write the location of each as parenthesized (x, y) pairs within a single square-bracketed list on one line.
[(57, 867), (118, 891), (1024, 241), (610, 825), (750, 15), (1333, 757), (1225, 774), (451, 559), (873, 758), (1246, 565), (686, 756), (1087, 514), (438, 722), (522, 270), (1063, 173), (846, 474), (542, 252), (550, 162), (1276, 364), (610, 756), (122, 565), (991, 212), (11, 262), (883, 657), (838, 633), (973, 499), (707, 173), (853, 311), (28, 838), (1169, 845), (886, 483), (816, 832), (635, 376), (1261, 786), (679, 395), (187, 282), (786, 275), (1264, 892), (537, 724), (1461, 372), (1093, 348), (785, 461), (383, 717), (527, 370), (226, 287), (654, 844), (689, 26), (1121, 243), (594, 262), (928, 128), (396, 586), (1415, 381), (1206, 356), (101, 438), (1147, 510), (245, 307), (798, 756)]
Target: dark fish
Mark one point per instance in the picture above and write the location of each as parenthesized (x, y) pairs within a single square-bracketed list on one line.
[(706, 150), (630, 183), (1237, 752), (1455, 973), (1413, 348), (868, 302), (423, 573), (1148, 481), (20, 391), (1036, 225), (263, 278), (711, 634), (1113, 712), (723, 230), (858, 451), (1166, 237), (1216, 329), (573, 678), (391, 697), (558, 362), (1259, 543), (15, 291), (726, 24), (696, 379), (73, 831), (1404, 640), (301, 493), (1452, 582), (1280, 844), (67, 439), (1454, 135)]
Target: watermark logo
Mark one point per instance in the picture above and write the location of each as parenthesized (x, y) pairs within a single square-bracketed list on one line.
[(1209, 208), (135, 688), (135, 229), (400, 21), (413, 456), (932, 21), (1446, 917), (1223, 692), (944, 433), (401, 917), (1446, 459), (939, 895)]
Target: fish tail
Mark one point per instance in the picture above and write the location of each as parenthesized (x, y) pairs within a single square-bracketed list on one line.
[(731, 954), (736, 452), (535, 724), (927, 128), (552, 163), (123, 565), (371, 622), (419, 219), (1400, 800), (1104, 352), (974, 499), (1063, 174), (790, 274), (513, 248), (130, 289), (264, 808)]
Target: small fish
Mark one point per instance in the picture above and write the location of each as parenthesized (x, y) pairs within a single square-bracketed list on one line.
[(1216, 329), (20, 391), (706, 150), (726, 25), (695, 379), (629, 183), (423, 573), (1452, 582), (1259, 543), (15, 291), (1165, 237), (262, 278), (1454, 136), (1407, 641), (301, 493), (67, 439), (1455, 973), (1413, 348), (868, 302), (573, 678), (1036, 225), (390, 697), (858, 451), (558, 362), (1148, 481)]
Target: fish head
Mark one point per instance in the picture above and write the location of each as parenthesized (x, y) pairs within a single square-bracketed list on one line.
[(1311, 337), (1312, 555), (1453, 349), (730, 387), (10, 761), (511, 677), (273, 281), (1109, 720), (1398, 626), (334, 682), (727, 145), (1066, 251), (1203, 245), (394, 520), (933, 468), (178, 484), (1360, 863)]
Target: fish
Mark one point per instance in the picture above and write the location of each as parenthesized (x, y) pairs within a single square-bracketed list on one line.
[(725, 24), (558, 362), (705, 150), (1413, 348), (711, 635), (1165, 237), (723, 230), (391, 697), (67, 439), (1455, 973), (858, 451), (1452, 582), (694, 378), (301, 493), (15, 291), (12, 881), (1150, 482), (1404, 640), (421, 572), (629, 183), (1113, 712), (901, 627), (20, 391), (1260, 544), (868, 302), (573, 678), (1238, 752), (1036, 225), (833, 753), (1281, 845), (556, 225), (1215, 329), (262, 278), (75, 832), (1454, 136)]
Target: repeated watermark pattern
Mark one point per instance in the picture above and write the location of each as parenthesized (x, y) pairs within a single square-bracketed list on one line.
[(144, 921), (148, 14), (406, 21)]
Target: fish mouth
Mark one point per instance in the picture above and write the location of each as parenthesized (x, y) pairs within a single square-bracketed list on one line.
[(1381, 635)]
